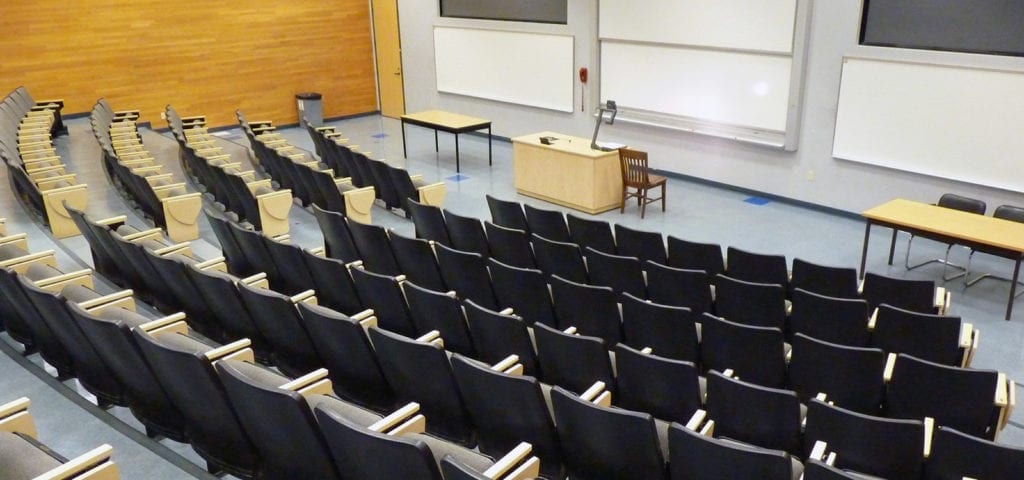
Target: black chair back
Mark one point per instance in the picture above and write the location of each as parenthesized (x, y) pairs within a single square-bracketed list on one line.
[(647, 246), (596, 234), (670, 331), (666, 388), (695, 255), (837, 320), (851, 377), (593, 310)]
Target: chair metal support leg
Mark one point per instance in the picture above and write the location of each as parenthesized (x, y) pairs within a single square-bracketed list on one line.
[(944, 261), (968, 281)]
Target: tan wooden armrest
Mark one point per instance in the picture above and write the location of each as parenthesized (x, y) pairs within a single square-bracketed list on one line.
[(966, 334), (174, 323), (890, 364), (515, 465), (15, 417), (122, 299), (819, 451), (505, 363), (144, 235), (970, 351), (570, 330), (326, 128), (71, 177), (32, 169), (184, 248), (697, 419), (169, 186), (309, 296), (193, 118), (46, 256), (368, 322), (432, 337), (1002, 396), (78, 277), (213, 262), (929, 429), (872, 320), (941, 299), (229, 350), (258, 280), (92, 465), (120, 219), (397, 418), (597, 394), (507, 311), (313, 383), (19, 239)]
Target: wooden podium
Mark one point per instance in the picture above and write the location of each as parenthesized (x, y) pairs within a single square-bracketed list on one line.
[(567, 172)]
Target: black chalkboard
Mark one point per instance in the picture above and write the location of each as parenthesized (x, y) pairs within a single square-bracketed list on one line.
[(973, 26), (538, 11)]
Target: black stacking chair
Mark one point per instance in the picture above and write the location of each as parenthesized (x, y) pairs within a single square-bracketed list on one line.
[(365, 454), (384, 295), (549, 224), (559, 258), (670, 331), (572, 361), (622, 274), (1006, 212), (960, 398), (184, 367), (341, 342), (592, 437), (466, 273), (762, 416), (916, 295), (510, 246), (374, 247), (221, 294), (883, 447), (695, 255), (955, 455), (429, 222), (417, 262), (290, 266), (420, 372), (935, 338), (666, 388), (647, 246), (278, 320), (839, 282), (497, 335), (109, 330), (333, 283), (50, 348), (755, 354), (591, 309), (851, 377), (955, 202), (173, 271), (596, 234), (289, 441), (508, 409), (524, 290), (92, 372), (466, 233), (508, 214), (432, 310), (238, 262), (837, 320), (679, 287), (256, 252), (694, 456), (749, 303), (757, 267), (338, 241)]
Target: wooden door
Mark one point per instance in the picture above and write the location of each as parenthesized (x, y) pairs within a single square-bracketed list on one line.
[(389, 58)]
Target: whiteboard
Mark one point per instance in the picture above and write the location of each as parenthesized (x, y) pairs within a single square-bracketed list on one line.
[(517, 67), (759, 25), (732, 88), (952, 122)]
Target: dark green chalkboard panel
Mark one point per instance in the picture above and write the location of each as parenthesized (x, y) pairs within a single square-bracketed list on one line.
[(539, 11), (973, 26)]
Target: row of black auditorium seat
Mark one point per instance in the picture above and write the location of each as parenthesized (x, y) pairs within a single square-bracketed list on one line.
[(165, 373), (244, 195), (434, 403), (940, 338), (393, 185), (23, 456), (311, 181), (38, 175), (140, 177)]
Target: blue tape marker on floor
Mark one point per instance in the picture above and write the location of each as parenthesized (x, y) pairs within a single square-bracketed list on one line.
[(380, 135), (757, 201), (458, 177)]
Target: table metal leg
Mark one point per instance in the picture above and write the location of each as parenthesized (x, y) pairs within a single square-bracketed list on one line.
[(1013, 289), (436, 149), (864, 252), (405, 152), (490, 153), (457, 153), (892, 245)]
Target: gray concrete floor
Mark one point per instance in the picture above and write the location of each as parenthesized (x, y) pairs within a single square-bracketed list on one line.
[(695, 211)]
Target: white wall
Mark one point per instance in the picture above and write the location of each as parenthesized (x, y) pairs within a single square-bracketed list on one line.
[(836, 183)]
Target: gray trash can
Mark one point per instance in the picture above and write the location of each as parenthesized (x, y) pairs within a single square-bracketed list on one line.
[(310, 108)]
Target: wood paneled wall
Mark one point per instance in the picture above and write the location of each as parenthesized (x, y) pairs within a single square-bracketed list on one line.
[(202, 57)]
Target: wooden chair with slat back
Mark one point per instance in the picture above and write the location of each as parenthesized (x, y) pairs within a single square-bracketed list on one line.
[(635, 174)]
